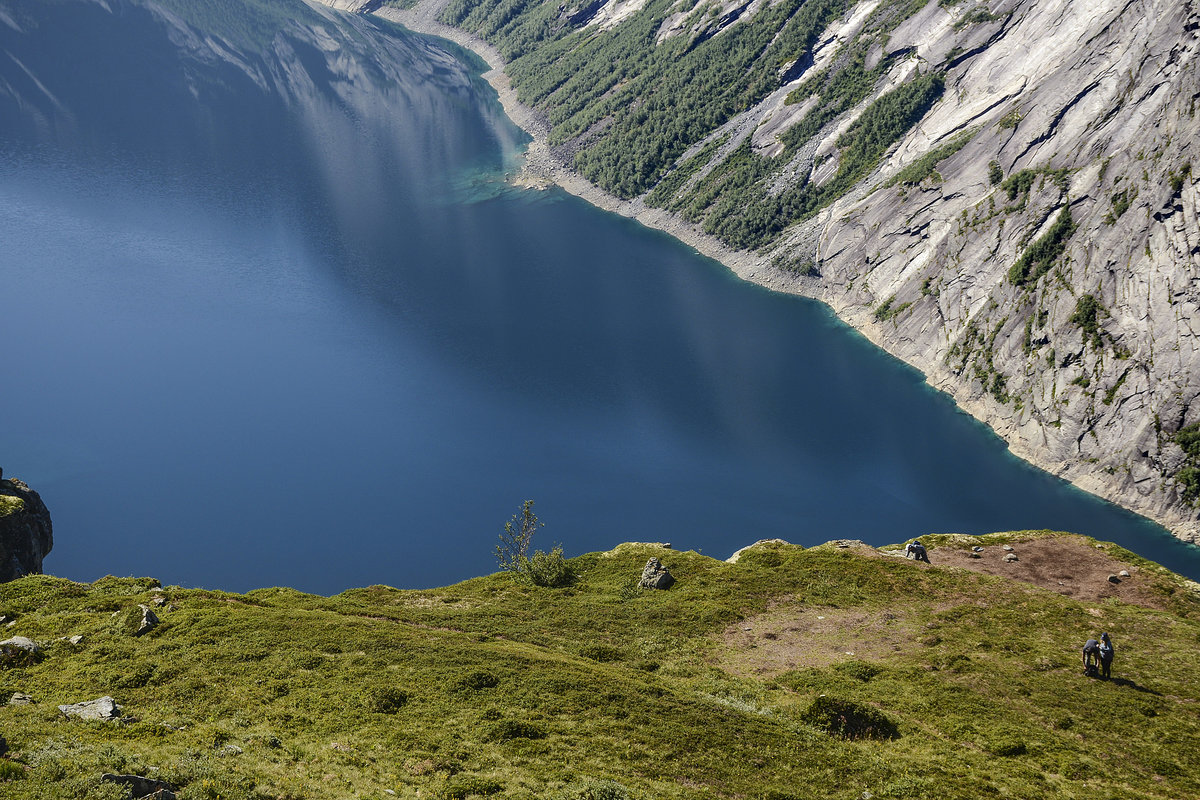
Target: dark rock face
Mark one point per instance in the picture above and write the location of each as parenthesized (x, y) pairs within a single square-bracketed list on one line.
[(26, 535)]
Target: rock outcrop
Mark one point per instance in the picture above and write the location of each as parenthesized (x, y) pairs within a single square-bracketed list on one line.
[(26, 534), (102, 708), (656, 576)]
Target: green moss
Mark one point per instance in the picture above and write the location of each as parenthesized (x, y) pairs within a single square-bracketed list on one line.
[(10, 505)]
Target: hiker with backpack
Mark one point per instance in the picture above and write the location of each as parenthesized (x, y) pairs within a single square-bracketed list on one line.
[(1091, 658), (1105, 652)]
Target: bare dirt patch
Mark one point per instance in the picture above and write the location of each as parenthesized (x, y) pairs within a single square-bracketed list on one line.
[(1071, 567), (792, 637)]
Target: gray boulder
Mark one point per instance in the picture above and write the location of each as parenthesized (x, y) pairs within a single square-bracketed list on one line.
[(20, 699), (141, 787), (656, 576), (102, 708), (20, 643), (19, 651), (140, 620)]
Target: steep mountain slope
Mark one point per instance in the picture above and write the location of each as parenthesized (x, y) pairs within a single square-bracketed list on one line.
[(1001, 193)]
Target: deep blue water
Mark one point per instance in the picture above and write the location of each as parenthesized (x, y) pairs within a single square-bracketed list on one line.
[(270, 316)]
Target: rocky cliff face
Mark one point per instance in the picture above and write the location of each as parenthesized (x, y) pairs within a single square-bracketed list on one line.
[(1000, 193), (26, 535), (1082, 129)]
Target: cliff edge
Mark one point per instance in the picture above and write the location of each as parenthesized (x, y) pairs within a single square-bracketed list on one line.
[(26, 534)]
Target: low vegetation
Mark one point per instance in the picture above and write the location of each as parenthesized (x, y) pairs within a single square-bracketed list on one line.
[(960, 685)]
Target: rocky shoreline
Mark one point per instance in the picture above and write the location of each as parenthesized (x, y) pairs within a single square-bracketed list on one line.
[(542, 168)]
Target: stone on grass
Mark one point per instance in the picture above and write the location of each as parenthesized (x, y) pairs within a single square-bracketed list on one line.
[(141, 787), (1124, 573), (102, 708), (656, 576), (1008, 547), (21, 643), (1010, 557), (141, 620), (20, 699)]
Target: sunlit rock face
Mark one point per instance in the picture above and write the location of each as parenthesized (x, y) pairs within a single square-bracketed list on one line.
[(1080, 108), (1032, 244)]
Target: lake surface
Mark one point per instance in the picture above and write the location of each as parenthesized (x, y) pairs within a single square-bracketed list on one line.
[(270, 316)]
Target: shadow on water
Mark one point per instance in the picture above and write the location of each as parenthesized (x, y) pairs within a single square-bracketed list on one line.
[(276, 291)]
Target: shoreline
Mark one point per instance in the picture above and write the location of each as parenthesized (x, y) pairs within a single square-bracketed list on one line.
[(542, 169)]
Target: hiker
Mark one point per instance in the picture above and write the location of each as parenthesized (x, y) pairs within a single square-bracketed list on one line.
[(1091, 657), (917, 551), (1105, 651)]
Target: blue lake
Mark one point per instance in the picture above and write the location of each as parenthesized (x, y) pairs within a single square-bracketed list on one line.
[(271, 316)]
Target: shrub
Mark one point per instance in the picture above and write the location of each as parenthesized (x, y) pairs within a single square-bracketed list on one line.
[(475, 680), (847, 719), (595, 790), (549, 569), (601, 652), (514, 729), (1006, 747), (385, 699), (462, 786), (995, 174), (861, 670), (11, 770)]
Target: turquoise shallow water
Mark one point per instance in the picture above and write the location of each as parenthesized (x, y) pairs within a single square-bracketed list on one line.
[(269, 321)]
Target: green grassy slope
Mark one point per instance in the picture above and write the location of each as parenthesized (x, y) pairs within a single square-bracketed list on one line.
[(491, 687)]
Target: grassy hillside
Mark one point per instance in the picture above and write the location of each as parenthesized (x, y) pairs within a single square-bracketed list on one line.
[(794, 673)]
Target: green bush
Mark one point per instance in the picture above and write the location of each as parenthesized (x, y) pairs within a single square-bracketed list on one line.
[(11, 770), (549, 569), (514, 729), (385, 699), (1006, 747), (862, 670), (848, 719), (475, 680), (595, 790), (461, 786), (602, 652)]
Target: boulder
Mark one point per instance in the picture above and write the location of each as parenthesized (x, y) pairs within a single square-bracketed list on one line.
[(140, 620), (20, 699), (20, 643), (1010, 557), (1114, 579), (26, 535), (102, 708), (141, 787), (19, 651), (656, 576)]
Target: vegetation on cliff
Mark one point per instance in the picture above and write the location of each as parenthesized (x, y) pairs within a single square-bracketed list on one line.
[(826, 672)]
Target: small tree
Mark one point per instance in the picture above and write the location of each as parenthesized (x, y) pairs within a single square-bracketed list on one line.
[(512, 554), (538, 568)]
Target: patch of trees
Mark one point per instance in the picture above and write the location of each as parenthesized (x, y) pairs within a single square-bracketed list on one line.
[(1041, 256)]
